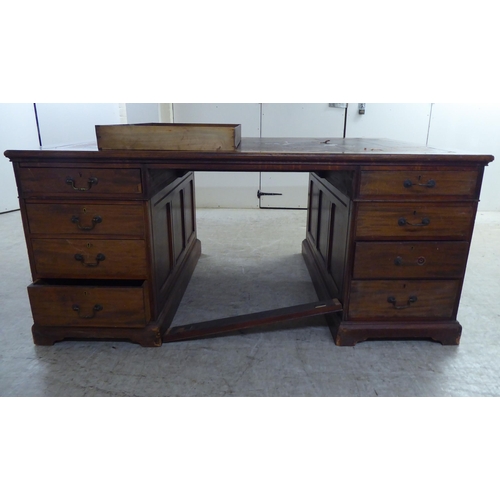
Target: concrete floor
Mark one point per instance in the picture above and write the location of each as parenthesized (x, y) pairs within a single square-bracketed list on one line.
[(251, 261)]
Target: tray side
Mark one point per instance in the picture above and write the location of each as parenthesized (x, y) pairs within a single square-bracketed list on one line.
[(169, 137)]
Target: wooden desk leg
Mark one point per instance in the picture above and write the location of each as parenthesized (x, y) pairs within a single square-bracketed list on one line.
[(349, 333), (47, 336)]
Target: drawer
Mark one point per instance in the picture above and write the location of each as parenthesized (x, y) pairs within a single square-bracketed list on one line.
[(89, 303), (75, 258), (431, 221), (419, 183), (79, 182), (424, 299), (415, 259), (73, 218)]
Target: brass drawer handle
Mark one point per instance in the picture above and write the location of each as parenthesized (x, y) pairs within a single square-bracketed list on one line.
[(419, 262), (95, 310), (430, 183), (403, 222), (91, 181), (80, 258), (411, 300), (96, 220)]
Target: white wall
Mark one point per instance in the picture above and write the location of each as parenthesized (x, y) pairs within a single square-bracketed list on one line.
[(63, 124), (472, 128), (398, 121), (148, 113), (17, 131), (166, 113), (143, 113), (302, 120)]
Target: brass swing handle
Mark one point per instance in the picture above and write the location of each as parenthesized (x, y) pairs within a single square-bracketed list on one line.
[(91, 181), (403, 222), (408, 183), (95, 310), (76, 220), (411, 300), (99, 257)]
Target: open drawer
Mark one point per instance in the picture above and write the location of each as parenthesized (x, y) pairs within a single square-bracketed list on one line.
[(90, 303)]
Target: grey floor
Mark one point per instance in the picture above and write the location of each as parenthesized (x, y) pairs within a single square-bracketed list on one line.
[(251, 261)]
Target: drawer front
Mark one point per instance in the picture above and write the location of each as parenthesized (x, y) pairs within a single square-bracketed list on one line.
[(89, 306), (415, 259), (80, 182), (72, 218), (406, 221), (78, 258), (371, 300), (419, 183)]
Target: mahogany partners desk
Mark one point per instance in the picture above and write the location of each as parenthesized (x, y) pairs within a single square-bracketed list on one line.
[(112, 243)]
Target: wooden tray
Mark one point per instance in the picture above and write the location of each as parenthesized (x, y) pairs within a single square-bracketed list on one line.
[(169, 136)]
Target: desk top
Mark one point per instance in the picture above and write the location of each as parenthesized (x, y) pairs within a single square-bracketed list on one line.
[(256, 153)]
